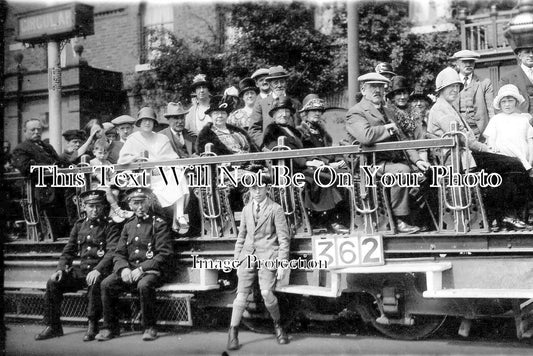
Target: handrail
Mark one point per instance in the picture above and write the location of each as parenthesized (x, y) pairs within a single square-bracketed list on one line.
[(259, 156)]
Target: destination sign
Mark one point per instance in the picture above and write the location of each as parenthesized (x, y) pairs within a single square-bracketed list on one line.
[(57, 22)]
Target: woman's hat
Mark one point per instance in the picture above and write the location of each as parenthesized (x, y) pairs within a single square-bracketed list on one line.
[(418, 95), (313, 102), (277, 72), (175, 109), (247, 84), (384, 68), (199, 79), (146, 113), (70, 135), (283, 102), (507, 90), (219, 103), (447, 77), (398, 83)]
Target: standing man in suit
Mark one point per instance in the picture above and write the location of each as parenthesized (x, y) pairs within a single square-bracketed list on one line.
[(196, 118), (124, 126), (260, 81), (264, 235), (277, 79), (370, 122), (522, 76), (182, 140), (474, 103)]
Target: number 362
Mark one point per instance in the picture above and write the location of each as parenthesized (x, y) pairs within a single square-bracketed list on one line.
[(350, 251)]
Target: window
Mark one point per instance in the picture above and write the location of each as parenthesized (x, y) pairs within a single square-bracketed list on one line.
[(156, 18)]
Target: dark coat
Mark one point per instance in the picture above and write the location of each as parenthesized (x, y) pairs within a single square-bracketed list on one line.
[(184, 151), (87, 237), (207, 135), (274, 131), (322, 139), (28, 153), (524, 85), (114, 151)]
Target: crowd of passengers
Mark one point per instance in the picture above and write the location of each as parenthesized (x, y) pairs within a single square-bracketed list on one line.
[(497, 132)]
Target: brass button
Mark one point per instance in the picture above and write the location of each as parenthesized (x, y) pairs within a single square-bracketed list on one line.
[(88, 248), (137, 251)]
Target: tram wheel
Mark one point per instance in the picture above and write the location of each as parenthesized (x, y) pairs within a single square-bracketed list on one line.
[(424, 325)]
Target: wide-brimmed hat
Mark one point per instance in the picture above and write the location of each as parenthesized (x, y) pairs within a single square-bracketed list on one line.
[(465, 55), (123, 119), (312, 102), (93, 196), (384, 68), (70, 135), (283, 102), (447, 77), (175, 109), (372, 77), (146, 113), (507, 90), (398, 83), (219, 103), (247, 84), (277, 72), (261, 72), (199, 79)]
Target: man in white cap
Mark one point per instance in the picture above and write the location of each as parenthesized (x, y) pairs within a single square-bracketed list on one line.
[(522, 76), (124, 126), (475, 99), (260, 81), (277, 79), (370, 122), (196, 118)]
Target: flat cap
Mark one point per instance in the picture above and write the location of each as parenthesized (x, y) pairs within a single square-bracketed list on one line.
[(70, 135), (465, 55), (261, 72), (123, 119), (373, 77)]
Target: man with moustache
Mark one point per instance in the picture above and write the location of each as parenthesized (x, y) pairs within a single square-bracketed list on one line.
[(260, 81), (182, 140), (522, 76), (369, 122), (277, 79)]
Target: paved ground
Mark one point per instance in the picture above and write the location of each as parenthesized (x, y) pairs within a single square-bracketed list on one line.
[(208, 342)]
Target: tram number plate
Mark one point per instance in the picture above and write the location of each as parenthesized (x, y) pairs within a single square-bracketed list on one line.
[(353, 251)]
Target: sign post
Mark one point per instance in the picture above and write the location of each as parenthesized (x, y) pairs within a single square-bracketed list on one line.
[(52, 25)]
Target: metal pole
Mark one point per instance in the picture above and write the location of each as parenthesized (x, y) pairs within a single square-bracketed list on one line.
[(353, 50), (54, 95)]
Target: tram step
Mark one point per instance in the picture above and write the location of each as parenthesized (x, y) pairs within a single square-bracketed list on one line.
[(172, 308), (480, 293), (332, 291)]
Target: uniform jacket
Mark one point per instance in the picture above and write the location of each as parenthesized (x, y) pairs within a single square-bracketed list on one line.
[(268, 239), (114, 151), (365, 123), (29, 153), (133, 245), (524, 85), (483, 97), (183, 151), (261, 119), (89, 239), (208, 136)]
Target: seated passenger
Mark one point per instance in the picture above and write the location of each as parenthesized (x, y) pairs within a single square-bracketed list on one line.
[(504, 201), (369, 122), (248, 93), (317, 199), (263, 233), (93, 239), (145, 145), (226, 138), (77, 145), (141, 263)]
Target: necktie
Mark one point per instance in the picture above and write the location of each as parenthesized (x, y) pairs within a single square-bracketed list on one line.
[(180, 138), (257, 210), (465, 82)]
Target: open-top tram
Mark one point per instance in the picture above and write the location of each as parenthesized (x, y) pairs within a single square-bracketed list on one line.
[(404, 285)]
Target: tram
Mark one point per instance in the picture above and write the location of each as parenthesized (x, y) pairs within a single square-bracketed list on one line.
[(404, 285)]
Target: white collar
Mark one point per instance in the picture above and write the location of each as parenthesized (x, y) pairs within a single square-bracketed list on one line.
[(526, 69)]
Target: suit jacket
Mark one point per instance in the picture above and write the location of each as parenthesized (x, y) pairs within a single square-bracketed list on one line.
[(524, 85), (268, 239), (28, 153), (261, 119), (483, 97), (114, 151), (366, 124), (184, 151)]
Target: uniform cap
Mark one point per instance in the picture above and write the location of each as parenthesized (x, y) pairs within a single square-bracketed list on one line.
[(138, 193), (93, 196)]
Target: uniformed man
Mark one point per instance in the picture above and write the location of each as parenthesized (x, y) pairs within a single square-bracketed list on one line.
[(141, 259), (93, 239)]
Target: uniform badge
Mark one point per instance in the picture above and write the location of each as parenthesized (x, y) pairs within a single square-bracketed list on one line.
[(149, 255), (100, 253)]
